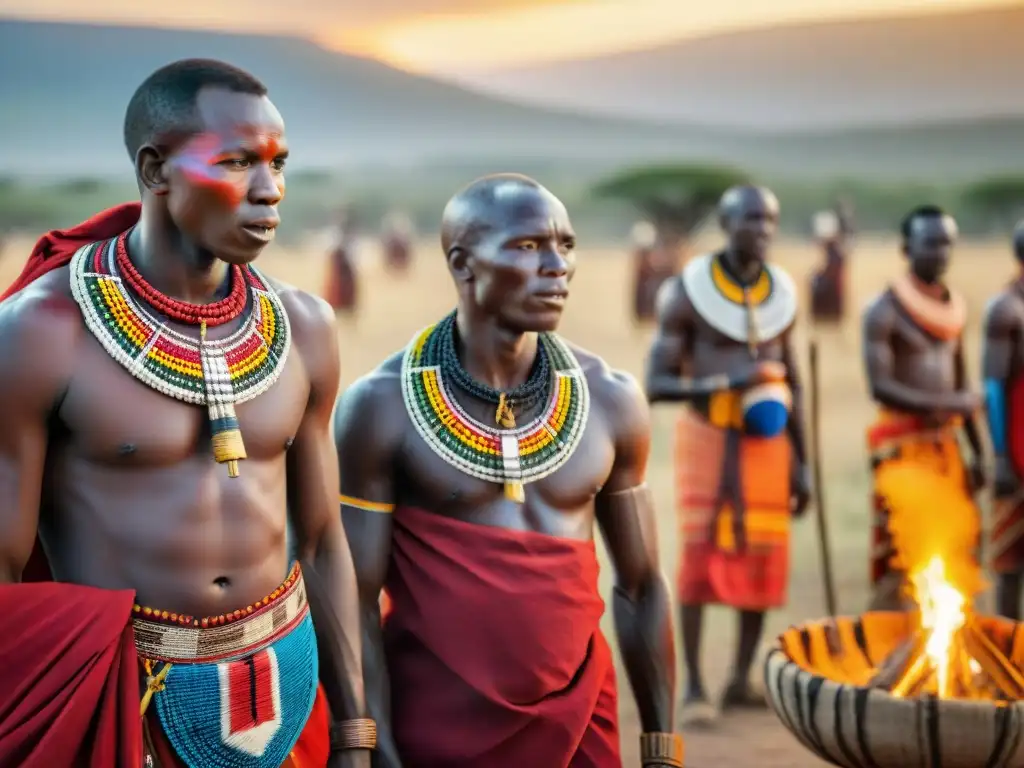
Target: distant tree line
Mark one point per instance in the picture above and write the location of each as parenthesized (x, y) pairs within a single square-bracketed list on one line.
[(677, 199)]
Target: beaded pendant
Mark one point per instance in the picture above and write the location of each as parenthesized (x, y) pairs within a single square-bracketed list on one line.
[(512, 456), (217, 374)]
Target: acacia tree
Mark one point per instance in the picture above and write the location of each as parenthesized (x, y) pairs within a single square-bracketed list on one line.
[(676, 199), (999, 199)]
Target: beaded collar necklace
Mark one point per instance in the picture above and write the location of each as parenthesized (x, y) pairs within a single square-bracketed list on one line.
[(504, 454), (524, 397), (218, 373)]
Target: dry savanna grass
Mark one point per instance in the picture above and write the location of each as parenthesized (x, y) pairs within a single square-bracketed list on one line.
[(598, 319)]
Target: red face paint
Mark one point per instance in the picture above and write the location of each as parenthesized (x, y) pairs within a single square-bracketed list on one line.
[(200, 161), (206, 161)]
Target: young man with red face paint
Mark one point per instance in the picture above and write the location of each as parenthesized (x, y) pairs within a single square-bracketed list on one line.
[(164, 406)]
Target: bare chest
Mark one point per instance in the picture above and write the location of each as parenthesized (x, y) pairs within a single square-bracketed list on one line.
[(109, 417), (920, 358), (713, 353)]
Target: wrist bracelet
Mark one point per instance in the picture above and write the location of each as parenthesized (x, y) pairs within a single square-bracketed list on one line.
[(661, 749), (354, 734)]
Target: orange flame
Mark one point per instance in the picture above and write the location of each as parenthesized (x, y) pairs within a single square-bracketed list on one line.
[(935, 529)]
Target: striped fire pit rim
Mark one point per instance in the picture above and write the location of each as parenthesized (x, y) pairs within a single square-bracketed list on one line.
[(815, 677)]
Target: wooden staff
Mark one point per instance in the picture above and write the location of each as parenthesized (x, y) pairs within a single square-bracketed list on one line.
[(819, 486)]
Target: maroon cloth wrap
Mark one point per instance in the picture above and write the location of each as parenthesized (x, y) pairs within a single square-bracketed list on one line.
[(53, 251), (69, 678), (494, 649)]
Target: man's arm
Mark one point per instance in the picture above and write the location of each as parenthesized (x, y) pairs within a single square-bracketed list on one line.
[(667, 359), (880, 365), (801, 482), (1000, 333), (320, 537), (625, 514), (970, 422), (795, 424), (38, 333), (368, 432)]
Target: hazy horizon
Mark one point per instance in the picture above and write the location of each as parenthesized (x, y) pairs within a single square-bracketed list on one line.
[(444, 37)]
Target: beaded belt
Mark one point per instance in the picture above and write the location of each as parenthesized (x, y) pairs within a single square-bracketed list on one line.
[(233, 690), (165, 636)]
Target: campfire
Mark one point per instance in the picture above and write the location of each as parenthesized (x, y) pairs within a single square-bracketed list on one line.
[(947, 655), (933, 684)]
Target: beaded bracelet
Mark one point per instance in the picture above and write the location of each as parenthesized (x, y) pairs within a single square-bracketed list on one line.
[(354, 734), (661, 749)]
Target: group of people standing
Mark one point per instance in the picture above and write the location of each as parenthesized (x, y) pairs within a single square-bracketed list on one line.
[(198, 530), (723, 346), (341, 284)]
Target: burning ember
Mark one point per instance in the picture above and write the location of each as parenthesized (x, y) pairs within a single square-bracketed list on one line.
[(947, 656)]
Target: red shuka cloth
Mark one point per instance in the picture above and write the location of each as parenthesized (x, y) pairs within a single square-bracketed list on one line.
[(69, 683), (494, 650), (55, 249), (52, 251)]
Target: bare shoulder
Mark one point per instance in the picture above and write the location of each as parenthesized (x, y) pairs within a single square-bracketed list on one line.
[(372, 409), (616, 393), (673, 305), (310, 317), (879, 314), (40, 328), (1004, 313), (314, 336)]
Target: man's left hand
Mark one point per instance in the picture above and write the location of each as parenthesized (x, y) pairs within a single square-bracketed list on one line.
[(350, 758), (800, 489)]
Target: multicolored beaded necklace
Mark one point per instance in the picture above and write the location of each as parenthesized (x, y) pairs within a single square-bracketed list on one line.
[(747, 296), (504, 454), (217, 374)]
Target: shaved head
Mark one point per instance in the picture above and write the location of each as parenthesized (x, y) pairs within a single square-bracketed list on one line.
[(749, 216), (737, 200), (1018, 240), (510, 247), (488, 204)]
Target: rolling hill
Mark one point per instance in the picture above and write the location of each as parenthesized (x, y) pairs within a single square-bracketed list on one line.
[(65, 86), (938, 67)]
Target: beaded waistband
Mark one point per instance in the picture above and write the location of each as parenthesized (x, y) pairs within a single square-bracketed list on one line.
[(166, 636)]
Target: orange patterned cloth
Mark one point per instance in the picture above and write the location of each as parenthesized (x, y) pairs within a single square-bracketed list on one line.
[(906, 438), (752, 574)]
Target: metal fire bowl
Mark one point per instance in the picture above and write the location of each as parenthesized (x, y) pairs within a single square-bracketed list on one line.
[(816, 677)]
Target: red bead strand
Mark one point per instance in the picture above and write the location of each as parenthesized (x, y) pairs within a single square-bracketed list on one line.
[(217, 313)]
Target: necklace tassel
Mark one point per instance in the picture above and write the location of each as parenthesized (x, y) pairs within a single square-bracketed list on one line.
[(225, 432), (226, 436), (515, 492)]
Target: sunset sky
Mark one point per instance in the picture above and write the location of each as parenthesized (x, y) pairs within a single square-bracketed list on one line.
[(444, 36)]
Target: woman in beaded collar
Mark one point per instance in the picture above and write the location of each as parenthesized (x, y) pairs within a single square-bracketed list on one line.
[(474, 465)]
